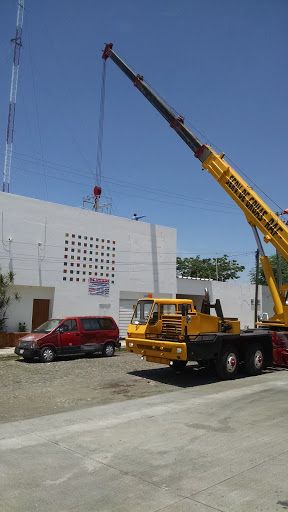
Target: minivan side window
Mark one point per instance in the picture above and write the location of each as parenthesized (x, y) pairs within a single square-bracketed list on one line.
[(69, 325), (90, 324), (106, 324)]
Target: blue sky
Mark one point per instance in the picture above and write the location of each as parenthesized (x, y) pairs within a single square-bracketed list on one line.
[(221, 64)]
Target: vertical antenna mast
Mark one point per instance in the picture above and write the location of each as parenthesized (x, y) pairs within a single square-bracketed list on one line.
[(13, 94)]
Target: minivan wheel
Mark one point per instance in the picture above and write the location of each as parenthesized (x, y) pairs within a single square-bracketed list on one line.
[(108, 350), (47, 355)]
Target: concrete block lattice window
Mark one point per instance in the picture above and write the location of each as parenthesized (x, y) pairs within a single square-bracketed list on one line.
[(82, 246)]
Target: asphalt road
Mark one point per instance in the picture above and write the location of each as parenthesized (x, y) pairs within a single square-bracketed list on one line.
[(192, 444)]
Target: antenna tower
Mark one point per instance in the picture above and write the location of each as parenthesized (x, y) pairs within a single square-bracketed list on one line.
[(13, 94)]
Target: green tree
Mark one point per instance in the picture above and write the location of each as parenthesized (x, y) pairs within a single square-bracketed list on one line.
[(273, 261), (6, 298), (209, 268)]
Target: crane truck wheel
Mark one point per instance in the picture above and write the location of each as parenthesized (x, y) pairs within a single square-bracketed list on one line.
[(254, 359), (227, 363)]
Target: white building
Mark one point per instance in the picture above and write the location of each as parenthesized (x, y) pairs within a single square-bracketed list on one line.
[(71, 261)]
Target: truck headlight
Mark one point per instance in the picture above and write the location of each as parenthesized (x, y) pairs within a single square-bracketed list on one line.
[(178, 350), (130, 344)]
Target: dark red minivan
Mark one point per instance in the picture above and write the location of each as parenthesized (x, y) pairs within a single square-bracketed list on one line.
[(72, 335)]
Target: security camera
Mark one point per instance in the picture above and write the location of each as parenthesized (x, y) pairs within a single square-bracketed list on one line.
[(10, 239)]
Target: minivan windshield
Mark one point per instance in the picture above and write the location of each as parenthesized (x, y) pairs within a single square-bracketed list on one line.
[(48, 326), (142, 312)]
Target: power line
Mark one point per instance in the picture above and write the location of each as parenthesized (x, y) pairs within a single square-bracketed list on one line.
[(37, 115), (141, 197), (129, 251), (207, 139), (130, 184)]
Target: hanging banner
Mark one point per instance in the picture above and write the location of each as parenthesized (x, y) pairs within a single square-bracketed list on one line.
[(99, 287)]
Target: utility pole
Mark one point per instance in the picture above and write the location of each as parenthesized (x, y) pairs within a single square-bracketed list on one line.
[(216, 269), (13, 94), (256, 287), (279, 269)]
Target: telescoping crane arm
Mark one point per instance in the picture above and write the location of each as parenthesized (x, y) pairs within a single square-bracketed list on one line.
[(257, 212)]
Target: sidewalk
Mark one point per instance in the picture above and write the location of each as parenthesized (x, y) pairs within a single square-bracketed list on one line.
[(7, 351), (203, 449)]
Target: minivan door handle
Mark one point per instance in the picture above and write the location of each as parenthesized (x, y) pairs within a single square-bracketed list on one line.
[(77, 334)]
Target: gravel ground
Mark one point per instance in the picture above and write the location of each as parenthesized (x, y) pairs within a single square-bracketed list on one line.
[(29, 390)]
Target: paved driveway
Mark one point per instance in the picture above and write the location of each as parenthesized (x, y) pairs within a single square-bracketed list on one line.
[(221, 446)]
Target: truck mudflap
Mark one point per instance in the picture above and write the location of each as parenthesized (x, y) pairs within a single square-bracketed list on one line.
[(157, 351)]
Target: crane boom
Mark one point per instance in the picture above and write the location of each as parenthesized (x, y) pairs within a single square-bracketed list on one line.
[(257, 212)]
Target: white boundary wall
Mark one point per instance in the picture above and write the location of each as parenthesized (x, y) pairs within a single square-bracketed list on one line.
[(237, 299)]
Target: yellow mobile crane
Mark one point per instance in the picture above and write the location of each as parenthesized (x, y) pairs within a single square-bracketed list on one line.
[(171, 331)]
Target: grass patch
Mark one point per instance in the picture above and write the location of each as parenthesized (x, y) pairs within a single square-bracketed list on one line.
[(2, 358)]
